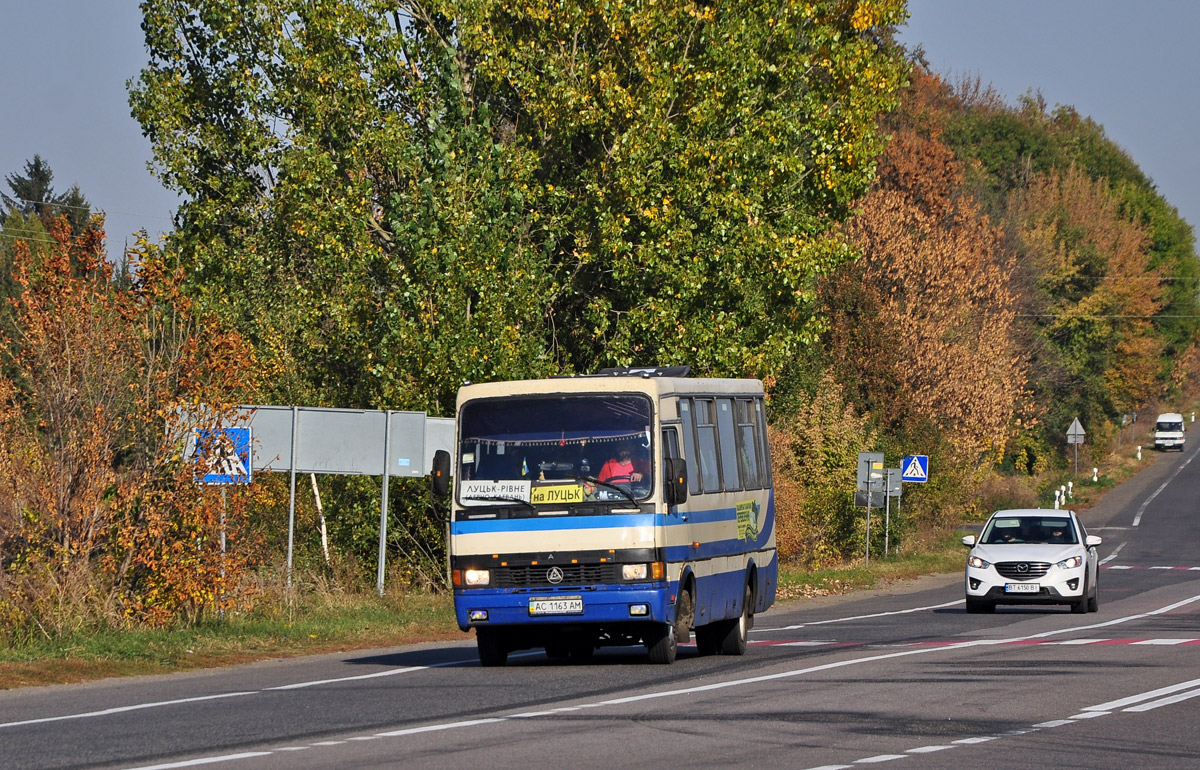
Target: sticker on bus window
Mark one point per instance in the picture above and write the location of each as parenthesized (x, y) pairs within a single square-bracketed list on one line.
[(482, 492), (556, 493)]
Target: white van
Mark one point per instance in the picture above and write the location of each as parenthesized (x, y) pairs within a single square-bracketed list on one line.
[(1168, 431)]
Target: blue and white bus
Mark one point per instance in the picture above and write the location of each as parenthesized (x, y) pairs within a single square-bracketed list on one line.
[(630, 507)]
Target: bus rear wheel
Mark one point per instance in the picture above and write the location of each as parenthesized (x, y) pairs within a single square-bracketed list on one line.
[(733, 634)]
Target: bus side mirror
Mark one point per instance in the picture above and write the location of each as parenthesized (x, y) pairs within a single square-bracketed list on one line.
[(675, 483), (441, 473)]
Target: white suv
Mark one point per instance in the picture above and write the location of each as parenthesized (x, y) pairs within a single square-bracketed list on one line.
[(1168, 431), (1033, 556)]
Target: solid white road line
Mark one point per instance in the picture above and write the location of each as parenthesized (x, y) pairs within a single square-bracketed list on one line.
[(1142, 508), (860, 617), (1113, 705)]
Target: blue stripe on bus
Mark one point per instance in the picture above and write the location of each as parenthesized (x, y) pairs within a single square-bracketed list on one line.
[(684, 552)]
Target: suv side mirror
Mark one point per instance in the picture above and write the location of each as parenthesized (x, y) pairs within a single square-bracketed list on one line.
[(441, 473), (969, 541), (675, 481)]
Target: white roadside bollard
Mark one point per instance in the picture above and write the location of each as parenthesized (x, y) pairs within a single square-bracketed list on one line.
[(1139, 453), (1056, 493), (1095, 475), (1071, 490)]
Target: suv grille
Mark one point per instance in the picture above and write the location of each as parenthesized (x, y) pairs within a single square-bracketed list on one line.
[(1023, 570), (572, 575)]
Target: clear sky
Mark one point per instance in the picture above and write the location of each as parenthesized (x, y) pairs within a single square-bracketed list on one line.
[(1134, 67)]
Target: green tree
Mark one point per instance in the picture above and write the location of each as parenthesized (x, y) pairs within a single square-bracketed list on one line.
[(33, 194), (395, 199), (697, 157), (348, 209)]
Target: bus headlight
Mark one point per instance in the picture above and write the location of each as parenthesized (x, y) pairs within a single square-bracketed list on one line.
[(476, 577), (634, 571)]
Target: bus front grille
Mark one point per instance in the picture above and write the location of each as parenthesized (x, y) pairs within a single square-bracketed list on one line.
[(545, 576)]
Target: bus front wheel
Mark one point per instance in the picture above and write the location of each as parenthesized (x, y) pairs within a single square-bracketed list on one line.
[(662, 644), (492, 648)]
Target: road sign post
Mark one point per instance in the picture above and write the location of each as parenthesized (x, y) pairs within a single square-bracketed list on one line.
[(870, 480), (913, 469), (894, 489), (227, 459), (1075, 435)]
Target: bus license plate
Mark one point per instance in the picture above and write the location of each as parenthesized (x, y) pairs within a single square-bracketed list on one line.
[(559, 605), (1022, 588)]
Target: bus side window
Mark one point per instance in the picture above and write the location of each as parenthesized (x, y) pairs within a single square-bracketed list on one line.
[(748, 444), (706, 441), (727, 435), (670, 441), (764, 443), (689, 444)]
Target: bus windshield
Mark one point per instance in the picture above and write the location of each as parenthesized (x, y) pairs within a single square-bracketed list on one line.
[(525, 443)]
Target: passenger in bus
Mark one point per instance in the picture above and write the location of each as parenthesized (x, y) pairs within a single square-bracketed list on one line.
[(620, 469)]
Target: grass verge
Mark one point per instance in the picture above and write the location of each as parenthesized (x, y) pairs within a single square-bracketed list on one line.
[(331, 623), (946, 554)]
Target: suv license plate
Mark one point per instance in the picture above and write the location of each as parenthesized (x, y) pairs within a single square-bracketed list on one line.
[(1022, 588), (562, 605)]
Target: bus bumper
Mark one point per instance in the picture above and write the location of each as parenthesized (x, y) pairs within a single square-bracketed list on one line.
[(593, 605)]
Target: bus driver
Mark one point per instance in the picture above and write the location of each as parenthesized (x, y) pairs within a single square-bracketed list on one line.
[(620, 469)]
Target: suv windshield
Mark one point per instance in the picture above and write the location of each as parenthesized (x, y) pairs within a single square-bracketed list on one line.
[(1029, 529), (555, 449)]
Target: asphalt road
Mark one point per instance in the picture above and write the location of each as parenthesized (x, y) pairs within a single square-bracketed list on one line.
[(900, 677)]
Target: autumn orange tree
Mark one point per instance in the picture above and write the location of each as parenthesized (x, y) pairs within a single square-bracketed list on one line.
[(929, 338), (921, 329), (101, 521)]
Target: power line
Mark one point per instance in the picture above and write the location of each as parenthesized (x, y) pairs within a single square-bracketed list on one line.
[(85, 208)]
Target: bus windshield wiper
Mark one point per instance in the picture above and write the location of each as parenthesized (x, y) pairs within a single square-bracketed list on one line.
[(594, 480), (498, 499)]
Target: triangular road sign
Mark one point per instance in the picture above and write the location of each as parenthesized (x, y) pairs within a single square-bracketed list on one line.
[(915, 468)]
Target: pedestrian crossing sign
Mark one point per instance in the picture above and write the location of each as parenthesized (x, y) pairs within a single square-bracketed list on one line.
[(224, 455), (915, 468)]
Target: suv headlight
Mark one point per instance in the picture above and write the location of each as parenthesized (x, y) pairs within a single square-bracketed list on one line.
[(1070, 563), (978, 563)]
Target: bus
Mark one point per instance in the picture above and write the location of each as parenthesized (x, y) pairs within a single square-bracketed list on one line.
[(629, 507)]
